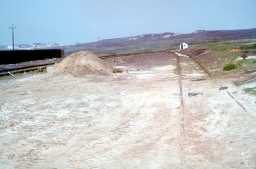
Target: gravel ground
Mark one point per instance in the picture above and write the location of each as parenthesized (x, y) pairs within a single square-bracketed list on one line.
[(129, 121)]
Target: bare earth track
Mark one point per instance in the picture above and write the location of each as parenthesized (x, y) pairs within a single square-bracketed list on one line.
[(165, 112)]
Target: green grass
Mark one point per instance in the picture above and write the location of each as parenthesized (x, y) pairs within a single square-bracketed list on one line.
[(228, 46), (224, 54), (241, 65), (223, 51), (247, 64), (251, 90), (251, 46), (223, 46), (227, 58)]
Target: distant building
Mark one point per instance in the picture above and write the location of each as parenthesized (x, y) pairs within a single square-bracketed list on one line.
[(184, 46)]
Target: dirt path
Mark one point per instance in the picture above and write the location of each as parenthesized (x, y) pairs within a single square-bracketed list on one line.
[(210, 117), (132, 120)]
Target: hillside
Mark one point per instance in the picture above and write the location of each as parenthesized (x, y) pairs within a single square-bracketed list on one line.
[(146, 42), (160, 41)]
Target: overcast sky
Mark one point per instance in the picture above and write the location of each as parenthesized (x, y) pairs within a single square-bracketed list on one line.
[(72, 21)]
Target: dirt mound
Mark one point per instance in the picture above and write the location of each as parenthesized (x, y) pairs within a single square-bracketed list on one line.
[(84, 62), (193, 52)]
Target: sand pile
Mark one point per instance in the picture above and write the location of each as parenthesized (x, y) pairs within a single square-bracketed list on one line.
[(84, 62)]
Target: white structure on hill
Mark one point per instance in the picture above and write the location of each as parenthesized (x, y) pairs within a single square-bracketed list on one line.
[(184, 46)]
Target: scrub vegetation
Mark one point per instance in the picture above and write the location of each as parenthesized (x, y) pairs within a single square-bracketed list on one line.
[(233, 55), (251, 90)]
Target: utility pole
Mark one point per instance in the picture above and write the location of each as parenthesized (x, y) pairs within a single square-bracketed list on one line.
[(12, 29)]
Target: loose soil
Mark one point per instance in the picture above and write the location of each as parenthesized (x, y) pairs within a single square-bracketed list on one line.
[(84, 63), (128, 120)]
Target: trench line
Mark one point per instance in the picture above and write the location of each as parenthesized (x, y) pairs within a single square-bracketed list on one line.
[(236, 101), (182, 111)]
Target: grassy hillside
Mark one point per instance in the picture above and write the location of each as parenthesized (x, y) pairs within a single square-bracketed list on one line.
[(225, 57)]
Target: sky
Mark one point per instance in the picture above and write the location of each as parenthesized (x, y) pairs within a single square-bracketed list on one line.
[(78, 21)]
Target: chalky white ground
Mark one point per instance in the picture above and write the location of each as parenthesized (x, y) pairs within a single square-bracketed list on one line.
[(128, 121)]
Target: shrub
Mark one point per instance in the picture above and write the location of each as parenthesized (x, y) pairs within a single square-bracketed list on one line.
[(244, 55), (118, 70), (229, 66), (249, 46)]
